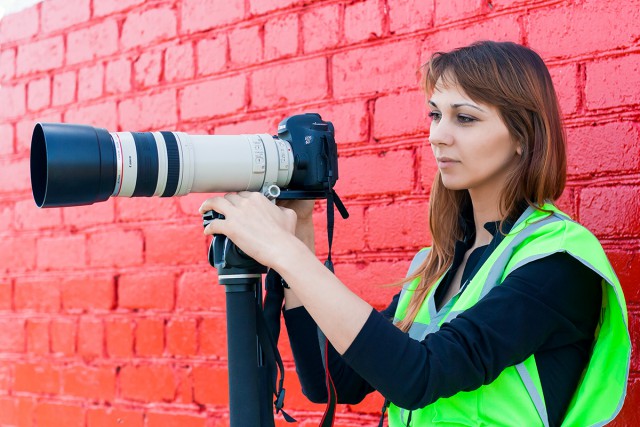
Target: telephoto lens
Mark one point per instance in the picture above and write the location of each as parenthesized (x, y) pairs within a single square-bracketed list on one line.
[(75, 165)]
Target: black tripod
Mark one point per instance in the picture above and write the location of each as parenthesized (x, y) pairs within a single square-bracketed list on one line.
[(252, 353)]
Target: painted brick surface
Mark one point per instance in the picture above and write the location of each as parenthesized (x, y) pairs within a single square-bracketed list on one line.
[(110, 314)]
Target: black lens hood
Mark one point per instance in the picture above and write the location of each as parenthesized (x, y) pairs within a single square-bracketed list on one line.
[(71, 165)]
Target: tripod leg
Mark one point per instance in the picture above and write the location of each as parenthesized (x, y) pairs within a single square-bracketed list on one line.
[(244, 395)]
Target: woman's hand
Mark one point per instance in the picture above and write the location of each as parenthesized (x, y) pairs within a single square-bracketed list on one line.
[(261, 229)]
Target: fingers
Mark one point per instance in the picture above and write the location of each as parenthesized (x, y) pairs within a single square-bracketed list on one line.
[(218, 204)]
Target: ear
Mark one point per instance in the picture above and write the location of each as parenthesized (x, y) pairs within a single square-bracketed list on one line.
[(519, 150)]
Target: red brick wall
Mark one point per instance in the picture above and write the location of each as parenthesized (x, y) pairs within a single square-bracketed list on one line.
[(110, 315)]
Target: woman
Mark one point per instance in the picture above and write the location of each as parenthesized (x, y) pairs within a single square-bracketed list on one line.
[(513, 317)]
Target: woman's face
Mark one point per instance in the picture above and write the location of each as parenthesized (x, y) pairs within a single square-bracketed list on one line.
[(470, 142)]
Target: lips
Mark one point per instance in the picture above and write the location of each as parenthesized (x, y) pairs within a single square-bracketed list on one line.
[(445, 162)]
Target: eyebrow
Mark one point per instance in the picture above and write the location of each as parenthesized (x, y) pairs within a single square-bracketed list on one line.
[(460, 104)]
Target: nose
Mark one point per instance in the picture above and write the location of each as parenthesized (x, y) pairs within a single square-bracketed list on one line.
[(440, 133)]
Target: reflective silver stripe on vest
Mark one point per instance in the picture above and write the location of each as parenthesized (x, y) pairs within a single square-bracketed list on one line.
[(533, 393), (417, 260)]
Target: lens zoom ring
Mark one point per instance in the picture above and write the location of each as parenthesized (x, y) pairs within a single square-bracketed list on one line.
[(173, 164)]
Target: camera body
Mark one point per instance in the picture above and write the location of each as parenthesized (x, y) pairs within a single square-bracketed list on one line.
[(74, 165)]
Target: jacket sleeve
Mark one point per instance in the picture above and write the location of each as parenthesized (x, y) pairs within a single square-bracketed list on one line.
[(303, 337)]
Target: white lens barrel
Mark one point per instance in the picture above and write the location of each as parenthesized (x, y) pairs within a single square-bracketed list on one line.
[(174, 163)]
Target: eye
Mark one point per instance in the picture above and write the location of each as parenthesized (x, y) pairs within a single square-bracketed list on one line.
[(434, 115), (466, 119)]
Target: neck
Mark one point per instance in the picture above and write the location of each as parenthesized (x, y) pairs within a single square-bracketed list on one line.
[(486, 208)]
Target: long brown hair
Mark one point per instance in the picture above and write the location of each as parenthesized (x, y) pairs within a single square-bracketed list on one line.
[(516, 81)]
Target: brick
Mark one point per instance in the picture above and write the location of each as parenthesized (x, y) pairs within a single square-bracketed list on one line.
[(243, 127), (456, 10), (573, 29), (184, 393), (281, 36), (59, 14), (179, 62), (613, 82), (349, 234), (30, 56), (38, 295), (115, 248), (149, 112), (20, 25), (149, 337), (211, 385), (55, 415), (7, 137), (102, 8), (88, 293), (148, 27), (211, 55), (17, 253), (147, 69), (39, 93), (407, 222), (565, 82), (89, 383), (14, 100), (109, 417), (7, 64), (428, 167), (102, 115), (15, 177), (199, 291), (148, 383), (24, 131), (144, 208), (87, 216), (29, 217), (498, 28), (6, 379), (146, 291), (90, 338), (589, 153), (8, 411), (369, 279), (175, 245), (12, 335), (245, 46), (373, 69), (63, 337), (363, 21), (36, 378), (258, 7), (567, 202), (90, 82), (626, 264), (408, 16), (199, 15), (38, 336), (320, 28), (58, 253), (118, 76), (119, 337), (6, 295), (97, 41), (289, 83), (182, 337), (212, 335), (400, 114), (611, 211), (155, 419), (358, 173), (64, 88), (213, 98)]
